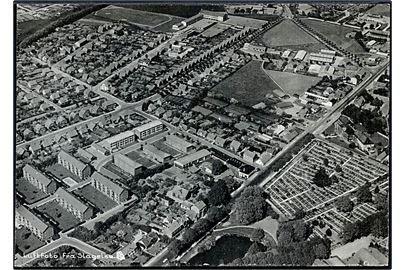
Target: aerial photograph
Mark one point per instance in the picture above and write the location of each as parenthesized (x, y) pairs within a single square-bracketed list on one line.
[(202, 135)]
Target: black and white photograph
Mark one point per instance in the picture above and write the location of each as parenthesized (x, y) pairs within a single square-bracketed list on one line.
[(202, 134)]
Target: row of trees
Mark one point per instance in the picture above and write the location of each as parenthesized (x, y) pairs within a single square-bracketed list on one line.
[(67, 19), (197, 230), (284, 158)]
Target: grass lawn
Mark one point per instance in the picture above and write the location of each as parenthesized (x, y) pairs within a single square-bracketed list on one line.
[(61, 172), (269, 225), (249, 85), (380, 9), (292, 83), (65, 219), (95, 197), (30, 192), (336, 33), (287, 33), (26, 241), (132, 16)]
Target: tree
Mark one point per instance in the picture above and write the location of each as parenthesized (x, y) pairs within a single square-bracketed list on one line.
[(350, 232), (328, 232), (215, 214), (219, 193), (363, 194), (344, 204), (300, 214), (217, 167), (376, 190), (251, 205), (258, 234), (175, 248), (321, 178)]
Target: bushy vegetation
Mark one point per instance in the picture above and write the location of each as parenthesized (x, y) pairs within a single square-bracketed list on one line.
[(294, 248), (321, 178), (251, 206)]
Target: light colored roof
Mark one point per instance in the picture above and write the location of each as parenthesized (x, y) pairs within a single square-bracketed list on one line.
[(179, 141), (127, 160), (72, 160), (194, 156), (156, 151), (107, 182), (33, 219), (119, 137), (75, 202), (148, 125), (37, 175)]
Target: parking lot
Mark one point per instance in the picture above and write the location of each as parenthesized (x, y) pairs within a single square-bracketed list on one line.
[(294, 188)]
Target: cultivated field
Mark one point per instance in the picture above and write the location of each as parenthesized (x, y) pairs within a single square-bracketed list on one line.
[(381, 9), (132, 16), (287, 33), (294, 188), (292, 83), (249, 85), (336, 33)]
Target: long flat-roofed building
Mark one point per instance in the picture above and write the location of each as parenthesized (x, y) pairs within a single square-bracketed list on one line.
[(74, 165), (119, 141), (156, 153), (109, 188), (39, 180), (24, 217), (148, 129), (128, 165), (72, 204), (179, 143), (192, 159)]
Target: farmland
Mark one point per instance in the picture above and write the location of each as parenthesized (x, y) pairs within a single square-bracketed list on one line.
[(292, 83), (288, 35), (249, 85), (336, 33), (132, 16)]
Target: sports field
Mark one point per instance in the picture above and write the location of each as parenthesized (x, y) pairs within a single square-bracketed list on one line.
[(292, 83), (287, 33), (249, 85), (133, 16), (336, 33)]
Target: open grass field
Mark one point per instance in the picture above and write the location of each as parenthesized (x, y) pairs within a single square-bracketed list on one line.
[(337, 34), (249, 85), (101, 201), (287, 33), (26, 241), (30, 192), (380, 9), (292, 83), (132, 16), (65, 219)]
